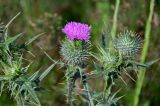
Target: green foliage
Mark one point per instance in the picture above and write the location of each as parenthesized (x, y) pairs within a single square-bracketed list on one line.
[(109, 100), (108, 58), (131, 15), (115, 61), (15, 77)]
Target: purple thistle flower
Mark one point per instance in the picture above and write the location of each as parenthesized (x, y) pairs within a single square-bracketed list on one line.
[(76, 30)]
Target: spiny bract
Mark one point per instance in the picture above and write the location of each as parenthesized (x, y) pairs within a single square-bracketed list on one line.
[(108, 58), (74, 53), (110, 100), (128, 43)]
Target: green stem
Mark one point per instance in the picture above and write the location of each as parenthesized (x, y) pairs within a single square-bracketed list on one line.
[(71, 84), (114, 27), (70, 90), (144, 54), (86, 87)]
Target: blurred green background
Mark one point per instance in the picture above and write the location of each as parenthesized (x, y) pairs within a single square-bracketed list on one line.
[(49, 16)]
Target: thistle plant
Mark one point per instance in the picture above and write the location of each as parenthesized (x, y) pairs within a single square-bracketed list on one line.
[(75, 50), (110, 62), (15, 77)]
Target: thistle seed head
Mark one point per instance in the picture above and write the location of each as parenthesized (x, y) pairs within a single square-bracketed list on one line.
[(128, 43)]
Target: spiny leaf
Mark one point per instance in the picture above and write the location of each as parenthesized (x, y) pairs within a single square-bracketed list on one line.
[(12, 20), (137, 64), (13, 89), (20, 101), (32, 39), (45, 73), (148, 64), (33, 76), (152, 62), (31, 92), (19, 90), (97, 95), (6, 27), (113, 96), (48, 55), (97, 68), (12, 39), (94, 55), (2, 77), (2, 86)]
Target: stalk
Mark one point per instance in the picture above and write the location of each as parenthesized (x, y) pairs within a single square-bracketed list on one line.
[(70, 90), (113, 34), (86, 88), (114, 27), (71, 85), (143, 56)]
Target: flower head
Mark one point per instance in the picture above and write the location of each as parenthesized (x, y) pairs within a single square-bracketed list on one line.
[(74, 54), (76, 30), (128, 43)]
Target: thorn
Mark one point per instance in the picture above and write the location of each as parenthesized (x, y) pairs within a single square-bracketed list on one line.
[(12, 20), (128, 75), (123, 80)]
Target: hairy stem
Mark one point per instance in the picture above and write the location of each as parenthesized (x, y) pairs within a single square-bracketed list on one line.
[(70, 90), (144, 54), (86, 88), (71, 85)]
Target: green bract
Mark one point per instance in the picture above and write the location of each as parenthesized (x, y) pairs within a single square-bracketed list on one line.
[(14, 77), (74, 53), (108, 58)]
